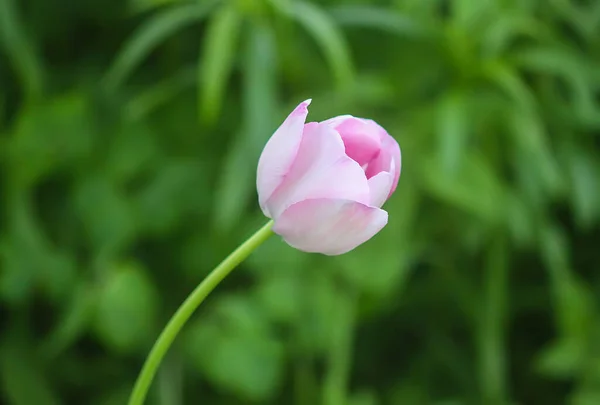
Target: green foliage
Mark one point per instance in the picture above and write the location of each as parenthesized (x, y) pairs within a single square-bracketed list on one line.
[(129, 137)]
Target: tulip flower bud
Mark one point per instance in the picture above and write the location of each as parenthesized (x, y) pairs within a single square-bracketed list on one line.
[(324, 183)]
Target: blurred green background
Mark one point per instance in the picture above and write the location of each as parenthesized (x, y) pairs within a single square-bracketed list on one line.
[(129, 137)]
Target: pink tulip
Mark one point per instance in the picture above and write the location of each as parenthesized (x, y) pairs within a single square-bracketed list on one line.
[(324, 183)]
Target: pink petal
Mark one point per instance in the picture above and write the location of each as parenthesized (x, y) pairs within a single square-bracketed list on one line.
[(361, 137), (380, 186), (321, 170), (396, 168), (279, 154), (329, 226), (388, 160)]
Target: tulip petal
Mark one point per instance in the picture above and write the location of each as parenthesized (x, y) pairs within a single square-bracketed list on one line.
[(321, 170), (329, 226), (396, 161), (380, 186), (279, 154), (361, 138), (388, 160)]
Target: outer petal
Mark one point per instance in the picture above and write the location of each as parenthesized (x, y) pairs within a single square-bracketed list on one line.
[(361, 137), (329, 226), (321, 170), (279, 154)]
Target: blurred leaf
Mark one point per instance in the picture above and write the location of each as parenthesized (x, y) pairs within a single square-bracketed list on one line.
[(149, 36), (140, 6), (570, 67), (533, 151), (237, 182), (118, 396), (22, 380), (492, 325), (452, 130), (520, 220), (281, 297), (217, 60), (148, 101), (508, 80), (327, 35), (583, 19), (475, 189), (584, 173), (73, 321), (29, 260), (19, 49), (127, 308), (562, 359), (132, 152), (339, 352), (572, 300), (377, 18), (275, 257), (393, 249), (586, 397), (49, 136), (169, 197), (467, 12), (105, 213), (364, 398), (506, 29), (237, 354)]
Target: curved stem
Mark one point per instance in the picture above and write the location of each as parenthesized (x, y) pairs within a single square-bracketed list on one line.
[(188, 307)]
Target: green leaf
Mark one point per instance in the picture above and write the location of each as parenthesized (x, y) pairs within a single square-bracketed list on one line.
[(52, 135), (563, 359), (569, 66), (237, 183), (72, 323), (126, 313), (476, 188), (132, 152), (468, 13), (142, 105), (377, 18), (151, 34), (584, 173), (572, 299), (328, 36), (105, 213), (275, 257), (238, 355), (364, 398), (452, 131), (29, 260), (508, 28), (392, 249), (20, 49), (217, 60), (533, 151), (23, 382), (280, 296), (141, 6), (169, 197)]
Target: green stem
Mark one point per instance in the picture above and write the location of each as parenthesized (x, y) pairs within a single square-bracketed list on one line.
[(188, 307)]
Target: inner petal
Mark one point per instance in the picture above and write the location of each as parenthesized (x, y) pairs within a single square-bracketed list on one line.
[(362, 144)]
